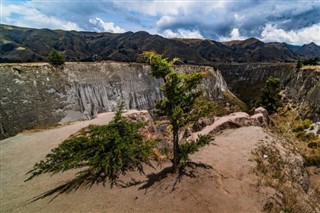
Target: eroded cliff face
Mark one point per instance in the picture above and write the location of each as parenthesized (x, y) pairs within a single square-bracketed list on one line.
[(40, 95), (247, 80), (303, 90), (301, 87)]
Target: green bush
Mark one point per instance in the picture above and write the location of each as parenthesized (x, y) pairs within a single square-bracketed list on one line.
[(56, 58), (192, 146), (311, 127), (102, 152), (312, 160), (306, 136), (298, 128), (314, 145), (307, 123), (269, 97)]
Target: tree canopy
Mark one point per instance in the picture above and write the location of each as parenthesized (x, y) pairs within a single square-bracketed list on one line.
[(56, 58), (180, 91), (102, 152), (269, 97)]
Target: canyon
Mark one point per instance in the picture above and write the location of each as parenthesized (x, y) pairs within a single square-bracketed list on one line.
[(39, 95)]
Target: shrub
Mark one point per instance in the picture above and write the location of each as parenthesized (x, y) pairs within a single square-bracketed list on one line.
[(269, 97), (193, 146), (307, 123), (56, 58), (102, 152), (311, 127)]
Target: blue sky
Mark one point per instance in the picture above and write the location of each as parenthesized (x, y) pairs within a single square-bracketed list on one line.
[(291, 21)]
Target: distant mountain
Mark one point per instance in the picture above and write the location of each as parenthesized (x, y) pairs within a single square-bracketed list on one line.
[(19, 44), (309, 50)]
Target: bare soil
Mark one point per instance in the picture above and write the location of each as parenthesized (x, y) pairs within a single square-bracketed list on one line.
[(230, 186)]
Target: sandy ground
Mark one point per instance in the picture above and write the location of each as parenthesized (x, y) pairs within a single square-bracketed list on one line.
[(230, 186)]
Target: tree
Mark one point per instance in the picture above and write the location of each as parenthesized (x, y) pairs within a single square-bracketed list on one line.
[(299, 64), (180, 95), (102, 152), (269, 97), (56, 58)]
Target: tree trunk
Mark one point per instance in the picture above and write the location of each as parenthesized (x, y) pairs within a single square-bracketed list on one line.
[(175, 150)]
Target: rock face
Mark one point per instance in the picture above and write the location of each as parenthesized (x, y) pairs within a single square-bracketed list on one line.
[(247, 80), (40, 95), (303, 88)]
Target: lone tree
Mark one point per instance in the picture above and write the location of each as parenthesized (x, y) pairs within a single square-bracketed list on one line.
[(299, 64), (178, 105), (103, 153), (269, 97), (56, 58)]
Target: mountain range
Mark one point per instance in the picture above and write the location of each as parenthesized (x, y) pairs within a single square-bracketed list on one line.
[(18, 44)]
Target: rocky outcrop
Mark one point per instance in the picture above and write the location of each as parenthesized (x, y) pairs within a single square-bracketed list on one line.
[(39, 95), (235, 120)]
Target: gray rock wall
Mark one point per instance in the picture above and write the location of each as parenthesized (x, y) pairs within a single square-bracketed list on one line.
[(40, 95), (247, 80), (302, 87)]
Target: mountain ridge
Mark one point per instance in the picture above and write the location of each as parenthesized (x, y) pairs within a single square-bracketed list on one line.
[(19, 44)]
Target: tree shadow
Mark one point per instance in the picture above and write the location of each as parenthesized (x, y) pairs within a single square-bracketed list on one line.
[(190, 169)]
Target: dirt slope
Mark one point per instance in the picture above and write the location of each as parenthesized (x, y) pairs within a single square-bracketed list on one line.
[(230, 186)]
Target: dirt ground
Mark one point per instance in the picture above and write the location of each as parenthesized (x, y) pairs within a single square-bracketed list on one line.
[(230, 186)]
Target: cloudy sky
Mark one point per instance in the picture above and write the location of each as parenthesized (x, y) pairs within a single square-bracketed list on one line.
[(291, 21)]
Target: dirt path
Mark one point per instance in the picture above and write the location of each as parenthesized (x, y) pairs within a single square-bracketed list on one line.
[(229, 187)]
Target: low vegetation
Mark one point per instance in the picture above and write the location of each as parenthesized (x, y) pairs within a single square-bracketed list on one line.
[(56, 58), (103, 153), (269, 97), (300, 132)]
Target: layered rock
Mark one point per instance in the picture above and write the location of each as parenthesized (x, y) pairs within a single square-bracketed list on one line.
[(39, 95)]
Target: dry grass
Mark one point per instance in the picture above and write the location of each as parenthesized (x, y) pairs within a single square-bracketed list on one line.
[(281, 170), (311, 67)]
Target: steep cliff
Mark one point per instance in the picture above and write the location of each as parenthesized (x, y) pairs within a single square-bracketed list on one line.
[(40, 95), (246, 80), (303, 90), (301, 87)]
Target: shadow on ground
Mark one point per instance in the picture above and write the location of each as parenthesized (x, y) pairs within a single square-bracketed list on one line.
[(190, 170)]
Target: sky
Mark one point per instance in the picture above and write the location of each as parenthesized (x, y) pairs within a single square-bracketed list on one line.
[(291, 21)]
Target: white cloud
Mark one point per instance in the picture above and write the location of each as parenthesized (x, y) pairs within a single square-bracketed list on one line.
[(234, 35), (182, 33), (301, 36), (31, 17), (101, 26)]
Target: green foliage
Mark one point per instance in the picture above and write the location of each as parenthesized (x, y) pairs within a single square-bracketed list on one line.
[(193, 146), (307, 123), (180, 96), (299, 64), (304, 136), (311, 61), (160, 67), (270, 98), (56, 58), (102, 152), (205, 108)]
